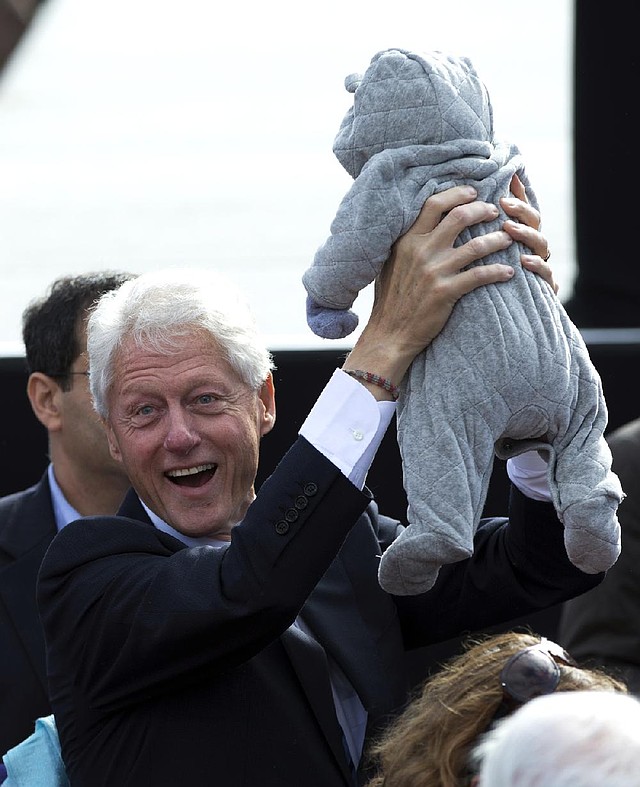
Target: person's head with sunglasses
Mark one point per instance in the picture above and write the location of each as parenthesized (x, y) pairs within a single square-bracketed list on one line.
[(430, 744)]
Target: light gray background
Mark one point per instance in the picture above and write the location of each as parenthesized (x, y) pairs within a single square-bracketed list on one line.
[(150, 133)]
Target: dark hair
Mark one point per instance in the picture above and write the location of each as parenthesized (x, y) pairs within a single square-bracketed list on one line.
[(50, 324)]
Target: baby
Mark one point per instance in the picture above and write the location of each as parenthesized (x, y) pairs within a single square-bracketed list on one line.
[(509, 373)]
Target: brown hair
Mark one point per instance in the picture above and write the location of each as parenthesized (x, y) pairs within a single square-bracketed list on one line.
[(429, 744)]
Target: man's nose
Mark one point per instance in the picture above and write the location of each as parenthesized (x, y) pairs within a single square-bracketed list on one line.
[(182, 435)]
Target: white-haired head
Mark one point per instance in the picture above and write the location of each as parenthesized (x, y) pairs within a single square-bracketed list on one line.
[(156, 309), (566, 739)]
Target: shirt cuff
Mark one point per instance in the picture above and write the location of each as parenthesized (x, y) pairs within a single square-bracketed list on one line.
[(347, 424), (529, 472)]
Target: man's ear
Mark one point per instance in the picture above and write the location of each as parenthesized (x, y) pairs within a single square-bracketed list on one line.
[(44, 395), (114, 449), (267, 396)]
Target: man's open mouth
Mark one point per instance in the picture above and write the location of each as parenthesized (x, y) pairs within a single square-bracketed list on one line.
[(192, 476)]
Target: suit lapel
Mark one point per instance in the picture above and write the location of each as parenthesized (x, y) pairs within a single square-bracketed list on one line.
[(18, 594), (27, 535), (310, 663), (30, 521), (132, 508), (349, 614)]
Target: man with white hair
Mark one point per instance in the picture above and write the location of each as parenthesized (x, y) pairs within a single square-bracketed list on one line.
[(211, 635), (567, 739)]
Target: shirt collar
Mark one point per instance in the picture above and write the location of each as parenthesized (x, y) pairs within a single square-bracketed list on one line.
[(190, 541), (63, 511)]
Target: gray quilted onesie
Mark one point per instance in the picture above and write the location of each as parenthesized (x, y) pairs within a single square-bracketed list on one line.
[(509, 372)]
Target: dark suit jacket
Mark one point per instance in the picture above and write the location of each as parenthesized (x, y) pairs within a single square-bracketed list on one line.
[(171, 665), (27, 527)]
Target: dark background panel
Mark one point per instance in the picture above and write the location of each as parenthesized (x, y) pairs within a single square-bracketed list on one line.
[(299, 377), (606, 65)]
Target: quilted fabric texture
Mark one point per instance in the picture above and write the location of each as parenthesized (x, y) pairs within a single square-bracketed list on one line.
[(509, 372)]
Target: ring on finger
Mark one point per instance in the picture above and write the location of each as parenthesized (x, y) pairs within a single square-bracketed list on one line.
[(546, 259)]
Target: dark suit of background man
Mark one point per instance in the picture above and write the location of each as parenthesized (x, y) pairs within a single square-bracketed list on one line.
[(82, 479)]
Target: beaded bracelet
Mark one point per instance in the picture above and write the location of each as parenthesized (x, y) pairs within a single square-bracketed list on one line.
[(375, 379)]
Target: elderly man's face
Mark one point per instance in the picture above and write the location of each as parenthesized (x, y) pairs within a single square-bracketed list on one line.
[(187, 431)]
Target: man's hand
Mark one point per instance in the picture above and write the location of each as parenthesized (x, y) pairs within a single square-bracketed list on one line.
[(527, 230), (423, 279)]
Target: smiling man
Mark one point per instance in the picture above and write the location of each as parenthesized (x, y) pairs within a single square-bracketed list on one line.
[(188, 429), (211, 635)]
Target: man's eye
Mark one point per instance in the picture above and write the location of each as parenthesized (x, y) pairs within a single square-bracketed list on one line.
[(147, 409), (206, 399)]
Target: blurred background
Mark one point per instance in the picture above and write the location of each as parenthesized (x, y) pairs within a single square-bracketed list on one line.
[(143, 134), (137, 135)]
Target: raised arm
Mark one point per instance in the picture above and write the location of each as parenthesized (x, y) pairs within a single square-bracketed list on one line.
[(425, 276)]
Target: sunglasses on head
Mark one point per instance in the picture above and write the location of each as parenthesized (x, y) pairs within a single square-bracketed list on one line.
[(534, 671), (531, 672)]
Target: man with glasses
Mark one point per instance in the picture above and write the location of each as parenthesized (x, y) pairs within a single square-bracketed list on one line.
[(81, 480)]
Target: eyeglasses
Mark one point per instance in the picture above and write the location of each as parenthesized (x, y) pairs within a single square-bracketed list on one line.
[(66, 381), (534, 671)]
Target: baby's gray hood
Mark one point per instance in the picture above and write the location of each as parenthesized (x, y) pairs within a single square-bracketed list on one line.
[(435, 98)]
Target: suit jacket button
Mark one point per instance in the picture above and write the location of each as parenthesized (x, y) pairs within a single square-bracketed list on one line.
[(291, 515), (282, 527), (310, 489), (301, 502)]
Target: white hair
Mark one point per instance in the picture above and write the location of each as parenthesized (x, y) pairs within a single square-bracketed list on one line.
[(567, 739), (155, 309)]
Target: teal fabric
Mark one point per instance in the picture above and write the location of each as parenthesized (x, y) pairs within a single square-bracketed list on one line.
[(37, 760)]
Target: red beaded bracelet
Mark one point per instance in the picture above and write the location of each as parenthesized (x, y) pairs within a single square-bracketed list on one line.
[(375, 379)]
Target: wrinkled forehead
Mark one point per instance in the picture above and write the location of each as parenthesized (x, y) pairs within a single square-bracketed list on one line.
[(169, 343)]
